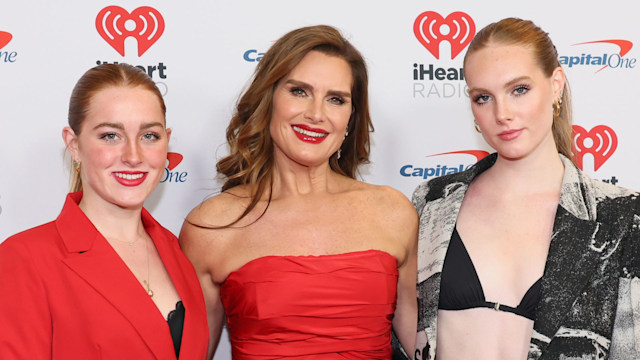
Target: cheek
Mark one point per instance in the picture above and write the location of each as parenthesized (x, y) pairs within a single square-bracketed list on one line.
[(284, 109), (157, 157), (342, 116), (99, 157), (480, 113)]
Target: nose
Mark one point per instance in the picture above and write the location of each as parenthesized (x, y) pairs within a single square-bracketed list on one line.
[(503, 111), (315, 110), (132, 154)]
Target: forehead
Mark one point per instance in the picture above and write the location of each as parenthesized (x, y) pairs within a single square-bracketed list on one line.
[(124, 104), (498, 62), (319, 68)]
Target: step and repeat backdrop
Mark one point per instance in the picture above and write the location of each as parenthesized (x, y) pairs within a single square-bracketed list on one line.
[(202, 55)]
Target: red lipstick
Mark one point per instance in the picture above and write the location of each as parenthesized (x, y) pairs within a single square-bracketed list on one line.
[(309, 134), (129, 178)]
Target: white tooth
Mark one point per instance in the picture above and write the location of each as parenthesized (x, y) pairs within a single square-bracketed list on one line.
[(129, 176), (308, 132)]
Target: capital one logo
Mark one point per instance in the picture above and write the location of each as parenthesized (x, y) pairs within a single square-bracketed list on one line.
[(431, 29), (5, 37), (116, 24), (173, 160), (612, 60), (601, 142), (7, 56)]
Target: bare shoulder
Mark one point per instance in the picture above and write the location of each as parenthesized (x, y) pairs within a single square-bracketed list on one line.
[(388, 200), (205, 232), (390, 208), (220, 210)]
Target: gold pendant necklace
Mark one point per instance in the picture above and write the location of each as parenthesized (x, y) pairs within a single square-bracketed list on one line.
[(146, 282)]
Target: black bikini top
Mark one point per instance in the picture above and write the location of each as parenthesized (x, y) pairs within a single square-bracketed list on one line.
[(460, 286)]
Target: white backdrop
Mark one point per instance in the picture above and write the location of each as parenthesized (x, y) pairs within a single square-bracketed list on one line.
[(208, 50)]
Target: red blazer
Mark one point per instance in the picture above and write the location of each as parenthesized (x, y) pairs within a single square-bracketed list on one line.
[(66, 294)]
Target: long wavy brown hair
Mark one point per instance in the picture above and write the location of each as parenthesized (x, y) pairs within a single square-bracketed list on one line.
[(514, 31), (250, 159), (94, 80)]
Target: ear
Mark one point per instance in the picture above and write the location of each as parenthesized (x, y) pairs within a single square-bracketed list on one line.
[(71, 142), (168, 135), (558, 80)]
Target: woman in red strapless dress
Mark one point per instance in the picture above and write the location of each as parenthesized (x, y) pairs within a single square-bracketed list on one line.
[(303, 260)]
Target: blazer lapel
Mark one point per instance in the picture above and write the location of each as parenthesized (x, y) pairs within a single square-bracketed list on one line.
[(94, 260), (188, 288), (570, 265), (579, 242)]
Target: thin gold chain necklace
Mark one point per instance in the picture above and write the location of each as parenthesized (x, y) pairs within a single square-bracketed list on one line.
[(146, 282)]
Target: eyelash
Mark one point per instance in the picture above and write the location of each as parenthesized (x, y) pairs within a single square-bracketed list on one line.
[(478, 97), (106, 136), (521, 87), (155, 136), (298, 91), (110, 136), (337, 100), (515, 91)]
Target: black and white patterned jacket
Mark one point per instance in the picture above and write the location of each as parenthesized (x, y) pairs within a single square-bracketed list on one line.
[(590, 306)]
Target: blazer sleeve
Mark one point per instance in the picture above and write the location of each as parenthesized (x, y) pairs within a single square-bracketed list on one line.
[(625, 340), (25, 321)]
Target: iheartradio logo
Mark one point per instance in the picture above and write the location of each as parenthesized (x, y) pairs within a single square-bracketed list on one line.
[(601, 142), (115, 24), (431, 29)]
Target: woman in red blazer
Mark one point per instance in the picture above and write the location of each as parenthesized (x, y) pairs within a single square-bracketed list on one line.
[(104, 280)]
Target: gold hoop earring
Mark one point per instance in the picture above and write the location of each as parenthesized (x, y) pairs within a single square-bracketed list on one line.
[(556, 106), (77, 166), (475, 124)]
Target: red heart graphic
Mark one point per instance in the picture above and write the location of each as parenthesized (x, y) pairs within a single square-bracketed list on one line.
[(604, 144), (429, 26), (174, 160), (149, 26), (5, 37)]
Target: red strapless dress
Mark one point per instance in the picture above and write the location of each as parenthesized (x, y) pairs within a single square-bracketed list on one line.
[(312, 307)]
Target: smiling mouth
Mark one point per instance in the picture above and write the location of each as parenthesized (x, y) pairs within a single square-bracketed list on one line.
[(129, 176), (306, 132)]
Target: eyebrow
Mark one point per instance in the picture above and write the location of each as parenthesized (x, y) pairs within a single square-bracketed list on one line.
[(305, 85), (508, 84), (120, 126)]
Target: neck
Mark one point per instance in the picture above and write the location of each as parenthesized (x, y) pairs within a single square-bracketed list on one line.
[(112, 221), (540, 171), (293, 179)]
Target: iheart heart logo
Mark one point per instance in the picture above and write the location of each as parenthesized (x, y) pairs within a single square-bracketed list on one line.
[(431, 29), (601, 142), (5, 37), (174, 159), (115, 24)]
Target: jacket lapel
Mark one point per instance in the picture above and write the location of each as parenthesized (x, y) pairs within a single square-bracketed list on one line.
[(94, 260), (570, 265), (580, 241), (188, 289)]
